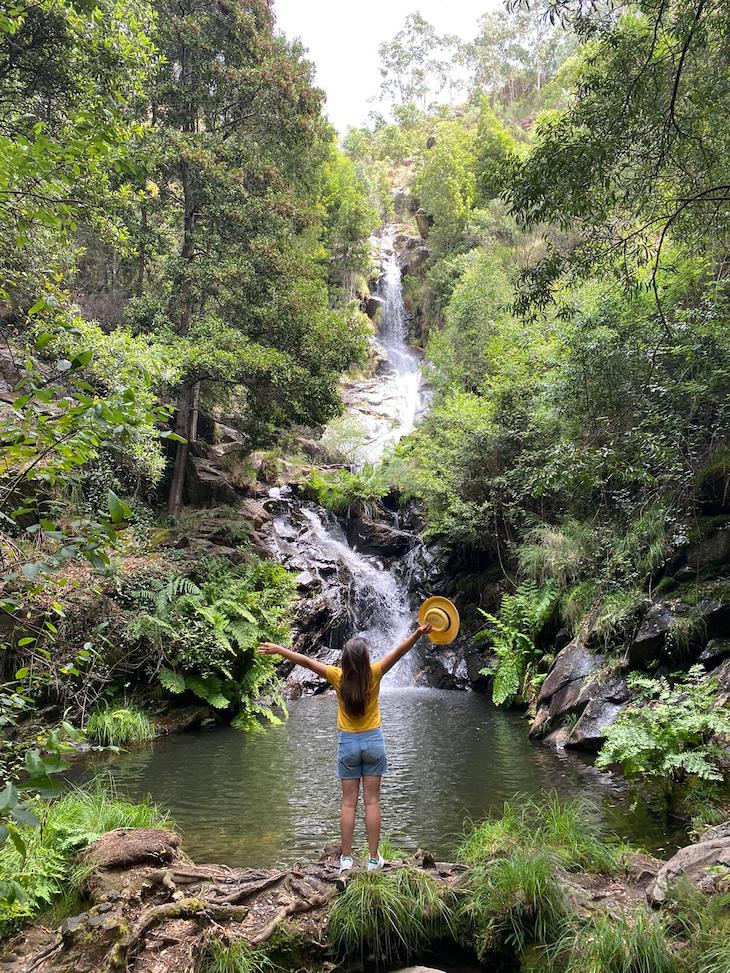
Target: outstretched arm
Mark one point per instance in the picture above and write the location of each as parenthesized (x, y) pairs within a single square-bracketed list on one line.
[(270, 648), (389, 660)]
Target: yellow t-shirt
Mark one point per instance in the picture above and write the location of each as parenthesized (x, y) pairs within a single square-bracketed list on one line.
[(370, 720)]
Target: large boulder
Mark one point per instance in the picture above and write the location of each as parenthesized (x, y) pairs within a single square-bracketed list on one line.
[(571, 665), (654, 643), (373, 305), (413, 254), (423, 222), (589, 732), (206, 483), (580, 683), (376, 537), (706, 865)]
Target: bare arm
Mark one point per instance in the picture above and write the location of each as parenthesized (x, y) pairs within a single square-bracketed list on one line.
[(270, 648), (390, 659)]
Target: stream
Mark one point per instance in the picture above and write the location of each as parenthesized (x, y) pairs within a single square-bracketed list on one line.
[(272, 797)]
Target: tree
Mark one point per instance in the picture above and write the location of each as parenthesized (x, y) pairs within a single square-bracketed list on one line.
[(640, 158), (67, 73), (228, 253), (446, 183), (349, 221), (414, 64), (515, 51)]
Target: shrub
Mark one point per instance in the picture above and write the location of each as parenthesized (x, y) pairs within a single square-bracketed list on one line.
[(667, 731), (513, 634), (47, 871), (114, 727), (391, 917)]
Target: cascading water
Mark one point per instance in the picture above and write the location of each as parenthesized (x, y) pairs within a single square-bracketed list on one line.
[(378, 600), (385, 407)]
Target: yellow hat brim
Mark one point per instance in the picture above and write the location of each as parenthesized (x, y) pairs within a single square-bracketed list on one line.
[(449, 609)]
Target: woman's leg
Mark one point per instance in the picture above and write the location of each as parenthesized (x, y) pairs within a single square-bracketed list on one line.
[(350, 791), (371, 796)]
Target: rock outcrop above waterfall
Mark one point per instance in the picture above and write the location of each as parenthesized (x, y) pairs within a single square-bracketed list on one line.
[(412, 252)]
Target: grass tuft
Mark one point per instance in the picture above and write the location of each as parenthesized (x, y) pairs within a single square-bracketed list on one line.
[(570, 830), (389, 917), (116, 727), (638, 943), (511, 903), (235, 957)]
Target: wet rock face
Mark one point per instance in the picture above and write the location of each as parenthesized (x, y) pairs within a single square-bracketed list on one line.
[(376, 537), (580, 684)]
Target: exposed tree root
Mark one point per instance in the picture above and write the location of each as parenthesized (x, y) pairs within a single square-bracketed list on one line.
[(151, 918)]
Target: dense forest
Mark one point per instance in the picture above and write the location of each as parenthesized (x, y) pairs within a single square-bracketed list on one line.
[(189, 293)]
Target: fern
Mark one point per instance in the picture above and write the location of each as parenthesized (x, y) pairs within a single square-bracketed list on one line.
[(513, 636), (173, 682), (668, 731), (206, 632)]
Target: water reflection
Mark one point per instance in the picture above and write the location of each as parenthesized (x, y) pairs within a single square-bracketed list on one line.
[(272, 797)]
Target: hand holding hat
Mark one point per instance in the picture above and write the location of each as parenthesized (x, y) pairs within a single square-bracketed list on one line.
[(442, 616)]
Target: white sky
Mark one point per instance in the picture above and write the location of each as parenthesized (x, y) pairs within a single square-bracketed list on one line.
[(342, 38)]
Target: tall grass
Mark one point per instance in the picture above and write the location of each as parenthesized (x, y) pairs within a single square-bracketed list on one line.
[(511, 903), (570, 830), (115, 727), (235, 957), (67, 825), (638, 943), (389, 917)]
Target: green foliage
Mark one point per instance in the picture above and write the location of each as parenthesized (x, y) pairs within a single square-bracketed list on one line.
[(205, 634), (117, 726), (446, 184), (668, 730), (235, 957), (349, 222), (638, 943), (514, 634), (512, 902), (569, 831), (341, 491), (611, 166), (45, 870), (388, 917)]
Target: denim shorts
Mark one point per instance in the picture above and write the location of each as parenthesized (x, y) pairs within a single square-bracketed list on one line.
[(361, 755)]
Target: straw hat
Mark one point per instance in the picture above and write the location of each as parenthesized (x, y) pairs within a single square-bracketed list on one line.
[(443, 616)]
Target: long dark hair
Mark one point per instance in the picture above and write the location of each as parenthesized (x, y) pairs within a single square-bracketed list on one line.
[(356, 676)]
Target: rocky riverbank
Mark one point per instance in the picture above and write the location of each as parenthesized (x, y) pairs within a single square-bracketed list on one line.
[(149, 908)]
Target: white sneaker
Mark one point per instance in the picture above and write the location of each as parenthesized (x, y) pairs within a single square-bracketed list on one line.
[(345, 863), (375, 864)]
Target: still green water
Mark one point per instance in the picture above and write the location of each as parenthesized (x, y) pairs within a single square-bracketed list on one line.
[(271, 798)]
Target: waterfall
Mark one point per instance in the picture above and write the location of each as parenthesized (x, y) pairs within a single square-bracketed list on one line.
[(387, 406)]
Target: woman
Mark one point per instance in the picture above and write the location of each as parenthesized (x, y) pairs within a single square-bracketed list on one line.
[(361, 750)]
